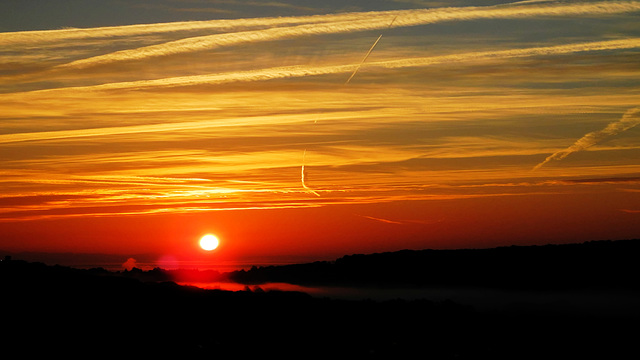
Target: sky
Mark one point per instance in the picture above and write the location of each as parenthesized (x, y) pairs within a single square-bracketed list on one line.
[(301, 129)]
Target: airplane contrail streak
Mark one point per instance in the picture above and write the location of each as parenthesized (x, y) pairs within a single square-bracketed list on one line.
[(302, 176), (363, 22), (302, 71), (44, 37), (381, 220), (347, 82), (363, 60), (368, 53), (630, 119)]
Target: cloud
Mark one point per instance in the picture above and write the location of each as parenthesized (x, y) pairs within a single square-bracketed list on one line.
[(386, 221), (44, 37), (129, 264), (176, 126), (357, 22), (607, 180), (630, 211), (303, 71), (513, 53), (630, 119)]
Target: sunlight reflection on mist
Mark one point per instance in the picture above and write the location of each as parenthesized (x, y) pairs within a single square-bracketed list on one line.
[(481, 299)]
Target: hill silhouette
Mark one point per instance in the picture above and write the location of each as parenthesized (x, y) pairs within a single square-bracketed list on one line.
[(73, 312), (57, 310), (594, 264)]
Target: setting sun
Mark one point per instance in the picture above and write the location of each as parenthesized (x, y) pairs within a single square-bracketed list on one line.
[(209, 242)]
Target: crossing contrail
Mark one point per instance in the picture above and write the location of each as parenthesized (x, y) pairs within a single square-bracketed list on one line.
[(304, 185), (630, 119), (353, 22), (368, 53), (348, 80), (303, 71)]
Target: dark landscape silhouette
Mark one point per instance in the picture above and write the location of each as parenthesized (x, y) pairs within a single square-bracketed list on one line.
[(602, 264), (52, 309)]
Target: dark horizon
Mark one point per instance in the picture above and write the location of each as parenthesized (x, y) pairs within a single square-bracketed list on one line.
[(84, 259), (78, 311), (590, 258)]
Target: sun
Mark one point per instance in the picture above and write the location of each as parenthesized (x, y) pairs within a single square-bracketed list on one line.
[(209, 242)]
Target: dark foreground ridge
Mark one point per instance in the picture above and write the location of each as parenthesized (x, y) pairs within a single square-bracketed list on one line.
[(593, 264), (51, 310)]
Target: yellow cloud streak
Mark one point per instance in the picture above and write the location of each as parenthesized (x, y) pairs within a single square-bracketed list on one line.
[(177, 126), (366, 21), (373, 188), (302, 71), (45, 37), (629, 120)]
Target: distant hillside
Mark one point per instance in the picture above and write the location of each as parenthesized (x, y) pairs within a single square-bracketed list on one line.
[(79, 260), (57, 310), (589, 264)]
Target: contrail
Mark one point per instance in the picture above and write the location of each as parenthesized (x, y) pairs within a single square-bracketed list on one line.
[(381, 220), (359, 22), (304, 185), (351, 77), (348, 80), (44, 37), (368, 53), (162, 127), (630, 119), (303, 71)]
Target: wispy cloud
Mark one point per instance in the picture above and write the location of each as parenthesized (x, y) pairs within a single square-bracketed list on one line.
[(514, 53), (386, 221), (630, 119), (358, 22), (172, 126), (403, 222), (303, 71), (138, 139), (44, 37), (631, 211)]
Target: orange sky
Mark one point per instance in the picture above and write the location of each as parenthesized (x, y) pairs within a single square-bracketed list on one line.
[(469, 126)]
